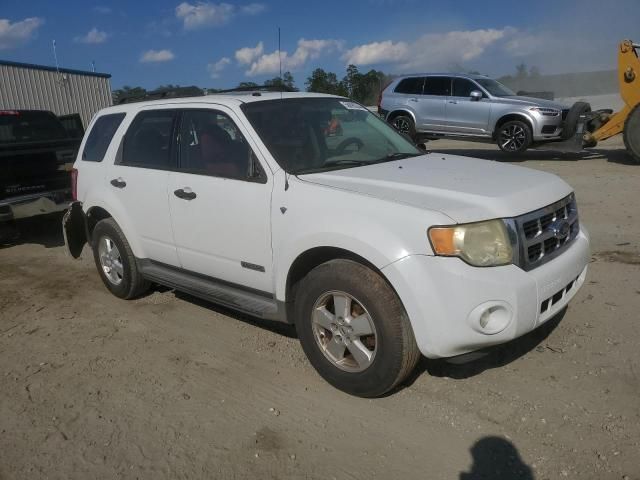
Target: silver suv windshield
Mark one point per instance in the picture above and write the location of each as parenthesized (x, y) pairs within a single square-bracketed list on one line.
[(495, 88), (307, 135)]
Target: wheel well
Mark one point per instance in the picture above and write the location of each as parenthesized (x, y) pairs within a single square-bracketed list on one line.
[(397, 113), (94, 215), (310, 259), (510, 117)]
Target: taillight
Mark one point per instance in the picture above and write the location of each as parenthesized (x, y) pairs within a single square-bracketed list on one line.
[(74, 184)]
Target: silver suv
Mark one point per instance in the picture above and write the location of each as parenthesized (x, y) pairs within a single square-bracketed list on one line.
[(472, 106)]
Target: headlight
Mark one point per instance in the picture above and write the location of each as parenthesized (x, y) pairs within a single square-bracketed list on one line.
[(549, 112), (482, 244)]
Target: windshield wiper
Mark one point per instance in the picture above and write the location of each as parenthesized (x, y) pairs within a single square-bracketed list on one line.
[(345, 162), (396, 156)]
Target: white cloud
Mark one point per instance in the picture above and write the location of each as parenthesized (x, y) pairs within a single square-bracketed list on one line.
[(377, 52), (102, 9), (17, 33), (204, 14), (307, 50), (215, 68), (434, 50), (246, 55), (254, 8), (93, 36), (154, 56)]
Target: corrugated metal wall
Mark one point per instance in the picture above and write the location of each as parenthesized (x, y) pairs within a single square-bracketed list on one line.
[(61, 93)]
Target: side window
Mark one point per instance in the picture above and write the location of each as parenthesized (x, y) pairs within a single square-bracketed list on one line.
[(212, 144), (100, 137), (147, 143), (463, 87), (412, 85), (437, 86)]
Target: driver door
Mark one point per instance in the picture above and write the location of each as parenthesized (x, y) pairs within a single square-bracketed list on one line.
[(465, 115)]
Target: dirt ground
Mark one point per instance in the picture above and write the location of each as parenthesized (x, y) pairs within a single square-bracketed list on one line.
[(92, 387)]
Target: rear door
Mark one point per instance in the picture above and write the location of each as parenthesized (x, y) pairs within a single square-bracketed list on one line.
[(139, 179), (221, 201), (464, 115), (432, 103)]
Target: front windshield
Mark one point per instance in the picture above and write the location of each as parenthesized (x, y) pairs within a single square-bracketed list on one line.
[(307, 135), (495, 88)]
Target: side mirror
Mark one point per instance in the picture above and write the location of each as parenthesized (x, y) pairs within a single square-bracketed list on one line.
[(475, 95)]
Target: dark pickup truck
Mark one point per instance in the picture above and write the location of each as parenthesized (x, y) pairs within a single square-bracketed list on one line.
[(37, 151)]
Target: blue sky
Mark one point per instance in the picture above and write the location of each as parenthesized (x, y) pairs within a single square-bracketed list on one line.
[(218, 43)]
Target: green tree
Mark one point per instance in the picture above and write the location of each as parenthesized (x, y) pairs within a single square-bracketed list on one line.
[(325, 82), (127, 91), (247, 85), (286, 81)]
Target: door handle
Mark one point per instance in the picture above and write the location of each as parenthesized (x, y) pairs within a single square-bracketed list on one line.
[(453, 101), (413, 99), (185, 193), (118, 182)]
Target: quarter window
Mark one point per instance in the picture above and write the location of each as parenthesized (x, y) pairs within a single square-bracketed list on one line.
[(463, 87), (212, 144), (411, 86), (148, 140), (100, 137), (437, 86)]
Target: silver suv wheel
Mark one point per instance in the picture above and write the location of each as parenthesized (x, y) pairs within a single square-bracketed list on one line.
[(344, 331)]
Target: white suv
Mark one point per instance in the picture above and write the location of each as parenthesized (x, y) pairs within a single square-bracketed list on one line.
[(309, 209)]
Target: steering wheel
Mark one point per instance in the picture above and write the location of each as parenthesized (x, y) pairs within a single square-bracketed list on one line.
[(343, 145)]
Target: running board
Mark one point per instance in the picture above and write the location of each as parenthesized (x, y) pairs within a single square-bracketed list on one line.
[(252, 302)]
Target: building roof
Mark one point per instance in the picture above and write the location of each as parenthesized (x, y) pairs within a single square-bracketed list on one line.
[(54, 69)]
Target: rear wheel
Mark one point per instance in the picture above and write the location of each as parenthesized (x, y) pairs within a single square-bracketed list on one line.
[(514, 136), (115, 261), (353, 329), (405, 124), (631, 134)]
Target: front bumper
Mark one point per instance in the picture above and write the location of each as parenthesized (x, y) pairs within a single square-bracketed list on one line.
[(25, 206), (445, 298)]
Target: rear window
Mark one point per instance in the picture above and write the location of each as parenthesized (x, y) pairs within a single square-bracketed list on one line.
[(100, 137), (22, 126), (411, 86), (148, 142)]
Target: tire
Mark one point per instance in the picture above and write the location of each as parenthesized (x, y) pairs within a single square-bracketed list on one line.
[(571, 120), (405, 124), (514, 136), (383, 329), (115, 261), (631, 134)]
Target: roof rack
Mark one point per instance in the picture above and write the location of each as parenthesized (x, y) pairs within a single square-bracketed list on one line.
[(259, 88), (179, 92)]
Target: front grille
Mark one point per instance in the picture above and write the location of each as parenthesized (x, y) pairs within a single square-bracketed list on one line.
[(545, 233), (556, 297)]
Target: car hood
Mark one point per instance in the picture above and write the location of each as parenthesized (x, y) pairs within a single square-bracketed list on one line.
[(465, 189), (531, 101)]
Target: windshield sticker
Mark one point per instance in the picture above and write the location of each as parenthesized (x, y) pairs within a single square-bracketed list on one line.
[(352, 106)]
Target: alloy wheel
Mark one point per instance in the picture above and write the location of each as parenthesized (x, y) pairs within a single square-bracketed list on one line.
[(110, 260)]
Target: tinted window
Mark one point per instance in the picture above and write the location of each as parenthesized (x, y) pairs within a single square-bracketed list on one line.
[(463, 87), (20, 126), (437, 86), (148, 140), (410, 85), (212, 144), (100, 137), (495, 88)]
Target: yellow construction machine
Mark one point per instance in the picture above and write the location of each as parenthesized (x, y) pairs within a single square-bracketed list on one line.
[(602, 125)]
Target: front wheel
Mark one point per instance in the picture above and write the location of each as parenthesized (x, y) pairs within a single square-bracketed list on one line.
[(514, 137), (405, 124), (353, 329), (631, 134)]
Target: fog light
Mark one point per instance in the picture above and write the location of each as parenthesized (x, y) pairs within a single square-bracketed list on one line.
[(491, 317)]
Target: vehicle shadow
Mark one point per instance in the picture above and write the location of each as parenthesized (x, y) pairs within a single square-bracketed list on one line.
[(45, 230), (494, 357), (619, 156), (279, 328), (496, 458)]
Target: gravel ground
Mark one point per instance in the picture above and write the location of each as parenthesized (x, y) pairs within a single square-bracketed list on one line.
[(171, 387)]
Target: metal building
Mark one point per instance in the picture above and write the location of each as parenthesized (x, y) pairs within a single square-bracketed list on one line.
[(62, 91)]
